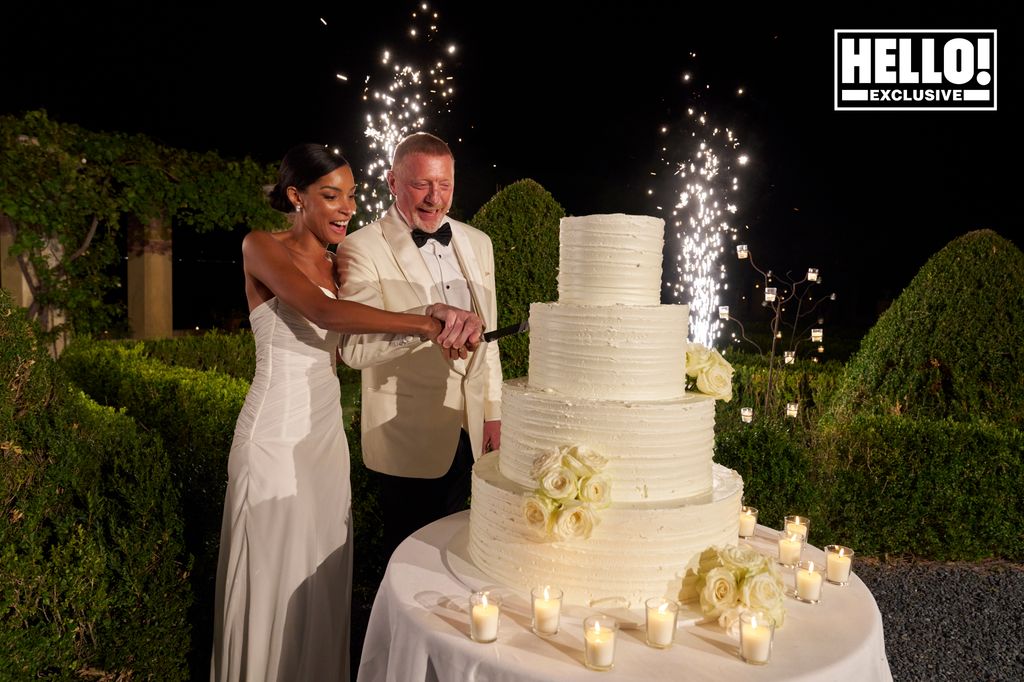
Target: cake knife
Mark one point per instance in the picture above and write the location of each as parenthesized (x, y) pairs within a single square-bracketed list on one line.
[(523, 326)]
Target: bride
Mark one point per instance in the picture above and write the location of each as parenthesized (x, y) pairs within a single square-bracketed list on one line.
[(284, 574)]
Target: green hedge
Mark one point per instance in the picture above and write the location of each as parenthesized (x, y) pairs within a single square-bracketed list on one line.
[(933, 489), (522, 222), (194, 412), (930, 488), (952, 344), (779, 475), (811, 384), (233, 354), (92, 568)]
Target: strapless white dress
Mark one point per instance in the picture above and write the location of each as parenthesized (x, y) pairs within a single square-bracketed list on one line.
[(285, 569)]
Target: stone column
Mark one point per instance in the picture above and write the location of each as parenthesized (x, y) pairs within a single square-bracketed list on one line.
[(11, 277), (150, 310)]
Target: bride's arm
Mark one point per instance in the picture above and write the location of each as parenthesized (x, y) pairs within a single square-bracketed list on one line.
[(267, 260)]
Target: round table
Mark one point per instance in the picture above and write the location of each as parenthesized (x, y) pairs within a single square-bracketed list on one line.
[(419, 630)]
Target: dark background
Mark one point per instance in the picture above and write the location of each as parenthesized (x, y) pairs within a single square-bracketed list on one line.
[(571, 94)]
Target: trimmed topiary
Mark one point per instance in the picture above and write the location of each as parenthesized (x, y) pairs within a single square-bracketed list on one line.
[(194, 413), (522, 222), (92, 571), (952, 345)]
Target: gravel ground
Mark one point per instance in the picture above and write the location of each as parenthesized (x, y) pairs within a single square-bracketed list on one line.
[(950, 621)]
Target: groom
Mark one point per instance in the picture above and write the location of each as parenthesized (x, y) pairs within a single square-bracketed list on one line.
[(426, 415)]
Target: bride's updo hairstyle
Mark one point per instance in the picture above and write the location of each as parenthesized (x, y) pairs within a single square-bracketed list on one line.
[(303, 165)]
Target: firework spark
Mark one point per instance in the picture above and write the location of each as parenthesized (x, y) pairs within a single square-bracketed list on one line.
[(399, 107), (700, 220)]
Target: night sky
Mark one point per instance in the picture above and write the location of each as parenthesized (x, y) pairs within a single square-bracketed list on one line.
[(571, 94)]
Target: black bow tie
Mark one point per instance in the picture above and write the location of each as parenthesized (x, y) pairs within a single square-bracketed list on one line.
[(443, 235)]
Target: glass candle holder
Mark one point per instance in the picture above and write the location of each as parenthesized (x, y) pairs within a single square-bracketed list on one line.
[(747, 414), (484, 612), (547, 610), (807, 581), (797, 524), (769, 293), (812, 274), (599, 642), (790, 357), (838, 562), (742, 251), (792, 409), (748, 521), (817, 335), (723, 312), (791, 545), (662, 615), (757, 629)]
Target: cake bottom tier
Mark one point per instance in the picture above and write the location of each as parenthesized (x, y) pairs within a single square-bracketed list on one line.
[(636, 551)]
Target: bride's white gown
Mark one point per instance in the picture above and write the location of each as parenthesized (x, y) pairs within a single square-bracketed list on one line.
[(285, 569)]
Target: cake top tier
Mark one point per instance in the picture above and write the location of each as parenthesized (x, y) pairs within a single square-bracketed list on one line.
[(610, 259)]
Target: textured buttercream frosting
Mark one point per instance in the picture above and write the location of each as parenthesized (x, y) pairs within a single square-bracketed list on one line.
[(616, 352), (609, 259), (607, 373), (637, 550), (656, 450)]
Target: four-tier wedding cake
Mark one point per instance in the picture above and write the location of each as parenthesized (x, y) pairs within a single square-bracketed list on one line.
[(604, 484)]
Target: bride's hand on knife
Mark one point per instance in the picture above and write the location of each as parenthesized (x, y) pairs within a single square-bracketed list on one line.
[(462, 329)]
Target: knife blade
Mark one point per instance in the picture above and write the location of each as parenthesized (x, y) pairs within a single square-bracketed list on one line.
[(523, 326)]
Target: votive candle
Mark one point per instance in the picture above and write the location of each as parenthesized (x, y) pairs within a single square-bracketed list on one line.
[(599, 642), (790, 547), (547, 609), (808, 582), (747, 414), (661, 622), (756, 630), (748, 521), (797, 524), (742, 251), (485, 610), (838, 562)]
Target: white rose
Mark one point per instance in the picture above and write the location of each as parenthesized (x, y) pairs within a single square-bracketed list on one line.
[(544, 463), (763, 591), (538, 512), (742, 560), (586, 459), (698, 357), (558, 483), (596, 490), (716, 379), (575, 521), (730, 621), (718, 593)]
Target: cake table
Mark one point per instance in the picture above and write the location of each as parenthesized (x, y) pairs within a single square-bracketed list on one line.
[(419, 630)]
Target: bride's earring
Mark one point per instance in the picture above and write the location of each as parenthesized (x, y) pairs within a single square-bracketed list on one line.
[(298, 208)]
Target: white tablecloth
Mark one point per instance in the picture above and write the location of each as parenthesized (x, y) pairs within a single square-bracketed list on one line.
[(419, 630)]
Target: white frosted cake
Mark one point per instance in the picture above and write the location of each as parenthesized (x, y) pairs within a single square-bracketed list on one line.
[(604, 485)]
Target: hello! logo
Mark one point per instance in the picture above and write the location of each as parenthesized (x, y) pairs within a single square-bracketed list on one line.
[(924, 70)]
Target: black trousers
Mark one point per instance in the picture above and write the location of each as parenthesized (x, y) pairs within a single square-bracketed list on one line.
[(411, 503)]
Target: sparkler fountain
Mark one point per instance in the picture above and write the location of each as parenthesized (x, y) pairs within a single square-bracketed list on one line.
[(401, 106), (701, 220)]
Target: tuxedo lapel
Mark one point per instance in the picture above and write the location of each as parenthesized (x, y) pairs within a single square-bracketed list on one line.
[(474, 277), (396, 233)]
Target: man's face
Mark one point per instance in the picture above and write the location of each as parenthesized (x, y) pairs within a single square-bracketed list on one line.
[(423, 186)]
